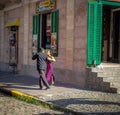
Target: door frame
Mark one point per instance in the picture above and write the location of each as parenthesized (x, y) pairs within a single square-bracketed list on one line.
[(111, 52), (90, 53)]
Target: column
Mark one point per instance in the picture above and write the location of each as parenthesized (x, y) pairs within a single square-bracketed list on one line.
[(69, 34), (26, 33), (1, 36)]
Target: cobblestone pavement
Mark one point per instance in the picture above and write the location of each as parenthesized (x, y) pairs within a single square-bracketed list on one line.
[(66, 96), (12, 106), (85, 101)]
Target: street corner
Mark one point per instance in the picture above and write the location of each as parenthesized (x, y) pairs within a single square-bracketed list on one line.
[(16, 93), (13, 92), (5, 90)]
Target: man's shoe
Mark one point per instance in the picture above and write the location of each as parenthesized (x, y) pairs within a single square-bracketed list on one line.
[(41, 88), (47, 88)]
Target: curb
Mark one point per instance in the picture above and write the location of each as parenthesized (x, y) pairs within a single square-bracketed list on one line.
[(34, 100)]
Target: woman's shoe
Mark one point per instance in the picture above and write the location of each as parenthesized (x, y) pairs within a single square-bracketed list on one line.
[(52, 83), (47, 88)]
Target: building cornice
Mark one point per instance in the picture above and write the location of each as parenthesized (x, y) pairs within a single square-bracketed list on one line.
[(12, 7)]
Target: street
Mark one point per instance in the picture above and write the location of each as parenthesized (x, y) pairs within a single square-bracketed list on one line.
[(12, 106), (62, 95)]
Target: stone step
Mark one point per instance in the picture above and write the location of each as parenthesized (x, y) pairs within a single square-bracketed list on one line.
[(111, 65), (105, 78), (118, 90), (108, 74), (111, 79), (115, 84), (106, 69)]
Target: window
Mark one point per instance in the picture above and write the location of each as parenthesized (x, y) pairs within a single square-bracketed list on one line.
[(45, 32)]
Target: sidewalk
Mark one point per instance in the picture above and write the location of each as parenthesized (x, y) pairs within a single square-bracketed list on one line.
[(73, 98)]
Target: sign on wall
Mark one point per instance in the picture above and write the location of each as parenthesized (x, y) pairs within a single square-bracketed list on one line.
[(34, 44), (45, 5), (54, 43)]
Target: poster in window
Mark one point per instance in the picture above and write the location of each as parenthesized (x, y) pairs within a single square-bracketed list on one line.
[(34, 44), (12, 42), (54, 42)]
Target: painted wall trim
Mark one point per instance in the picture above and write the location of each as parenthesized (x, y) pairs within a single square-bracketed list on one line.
[(12, 7)]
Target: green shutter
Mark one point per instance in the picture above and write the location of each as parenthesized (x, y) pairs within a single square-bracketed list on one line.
[(94, 33), (108, 2), (36, 29), (54, 29), (92, 0)]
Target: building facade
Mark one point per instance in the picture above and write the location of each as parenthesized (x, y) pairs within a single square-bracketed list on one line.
[(78, 32)]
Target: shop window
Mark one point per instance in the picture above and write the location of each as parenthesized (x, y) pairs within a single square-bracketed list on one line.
[(45, 32), (13, 43)]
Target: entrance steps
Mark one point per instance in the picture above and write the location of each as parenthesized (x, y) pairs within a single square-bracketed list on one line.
[(106, 78)]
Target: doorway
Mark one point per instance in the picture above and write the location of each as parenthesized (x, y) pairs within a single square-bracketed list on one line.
[(111, 34), (115, 38), (13, 47), (46, 31)]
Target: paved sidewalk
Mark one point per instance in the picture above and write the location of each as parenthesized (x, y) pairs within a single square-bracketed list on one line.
[(66, 96)]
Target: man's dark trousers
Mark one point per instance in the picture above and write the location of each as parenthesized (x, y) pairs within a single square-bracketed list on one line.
[(43, 79)]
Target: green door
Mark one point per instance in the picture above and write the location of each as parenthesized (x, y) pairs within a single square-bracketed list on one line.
[(54, 32), (36, 32), (94, 33)]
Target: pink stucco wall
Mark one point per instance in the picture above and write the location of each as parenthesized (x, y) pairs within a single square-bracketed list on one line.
[(77, 73), (10, 15), (80, 35)]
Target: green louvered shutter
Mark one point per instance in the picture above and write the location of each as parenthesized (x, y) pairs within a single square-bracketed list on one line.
[(36, 29), (94, 33), (54, 29)]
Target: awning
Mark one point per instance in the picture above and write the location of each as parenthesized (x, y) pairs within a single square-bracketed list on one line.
[(15, 22)]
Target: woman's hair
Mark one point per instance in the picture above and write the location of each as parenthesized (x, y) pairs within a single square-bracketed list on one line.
[(48, 51)]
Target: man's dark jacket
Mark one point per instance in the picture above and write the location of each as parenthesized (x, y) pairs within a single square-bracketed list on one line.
[(41, 60)]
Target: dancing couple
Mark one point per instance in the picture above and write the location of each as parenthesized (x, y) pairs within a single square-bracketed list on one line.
[(44, 68)]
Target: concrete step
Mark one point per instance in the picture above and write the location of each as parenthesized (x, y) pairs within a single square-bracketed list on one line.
[(108, 74), (115, 84), (111, 79), (118, 90), (106, 69), (105, 78), (110, 65)]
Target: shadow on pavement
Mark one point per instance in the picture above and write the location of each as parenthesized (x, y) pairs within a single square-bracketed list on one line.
[(84, 101), (25, 81)]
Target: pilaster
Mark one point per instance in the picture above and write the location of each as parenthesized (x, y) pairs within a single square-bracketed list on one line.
[(1, 36), (26, 33), (69, 34)]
